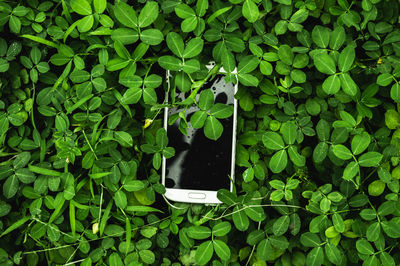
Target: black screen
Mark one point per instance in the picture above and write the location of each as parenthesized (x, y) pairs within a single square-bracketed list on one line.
[(200, 163)]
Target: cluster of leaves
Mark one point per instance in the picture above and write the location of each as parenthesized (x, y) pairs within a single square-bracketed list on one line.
[(82, 86)]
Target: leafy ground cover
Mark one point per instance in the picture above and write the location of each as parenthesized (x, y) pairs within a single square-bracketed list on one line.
[(82, 90)]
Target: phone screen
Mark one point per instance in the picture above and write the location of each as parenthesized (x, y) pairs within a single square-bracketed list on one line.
[(200, 163)]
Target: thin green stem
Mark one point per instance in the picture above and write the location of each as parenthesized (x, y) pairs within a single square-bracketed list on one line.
[(88, 142)]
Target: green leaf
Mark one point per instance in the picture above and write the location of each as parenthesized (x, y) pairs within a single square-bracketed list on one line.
[(148, 14), (198, 232), (264, 248), (21, 160), (384, 79), (184, 11), (175, 43), (10, 187), (121, 50), (15, 24), (333, 254), (221, 229), (247, 64), (15, 225), (346, 58), (289, 132), (170, 62), (161, 138), (281, 27), (250, 11), (99, 5), (248, 174), (360, 143), (198, 119), (281, 225), (123, 138), (222, 249), (338, 37), (277, 184), (228, 60), (387, 259), (315, 257), (149, 95), (240, 219), (142, 209), (184, 239), (266, 68), (114, 259), (204, 252), (309, 239), (325, 64), (43, 171), (348, 84), (364, 247), (147, 256), (189, 24), (39, 40), (191, 66), (148, 231), (320, 36), (248, 80), (132, 95), (4, 65), (206, 99), (373, 231), (295, 157), (226, 196), (125, 35), (82, 7), (342, 152), (348, 118), (201, 7), (338, 222), (278, 161), (391, 228), (134, 185), (152, 36), (120, 199), (298, 76), (221, 111), (117, 64), (125, 14), (351, 170), (218, 13), (370, 159), (213, 128), (285, 54), (193, 48), (395, 92), (299, 16), (85, 23), (272, 140)]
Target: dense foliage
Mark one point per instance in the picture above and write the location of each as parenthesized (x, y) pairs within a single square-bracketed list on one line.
[(82, 88)]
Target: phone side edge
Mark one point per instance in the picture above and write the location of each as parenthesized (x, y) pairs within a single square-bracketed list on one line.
[(233, 156), (164, 160)]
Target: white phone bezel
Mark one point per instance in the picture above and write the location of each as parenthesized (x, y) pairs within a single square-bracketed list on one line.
[(193, 195)]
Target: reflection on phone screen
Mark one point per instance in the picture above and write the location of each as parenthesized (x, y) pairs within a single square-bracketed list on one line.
[(200, 163)]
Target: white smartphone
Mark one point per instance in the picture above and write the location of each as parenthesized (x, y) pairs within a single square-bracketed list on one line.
[(201, 166)]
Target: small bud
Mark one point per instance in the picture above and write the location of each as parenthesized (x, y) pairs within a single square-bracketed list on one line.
[(147, 123), (95, 228)]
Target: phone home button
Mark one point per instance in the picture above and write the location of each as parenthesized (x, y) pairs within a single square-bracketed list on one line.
[(193, 195)]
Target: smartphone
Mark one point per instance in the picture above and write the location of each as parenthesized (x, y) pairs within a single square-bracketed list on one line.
[(201, 166)]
